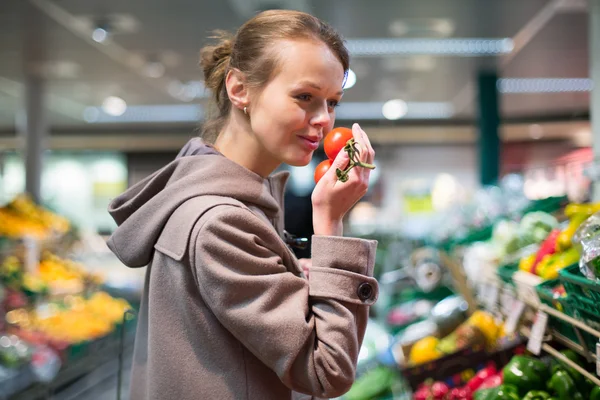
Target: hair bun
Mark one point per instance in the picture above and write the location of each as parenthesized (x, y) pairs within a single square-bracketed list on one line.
[(214, 61)]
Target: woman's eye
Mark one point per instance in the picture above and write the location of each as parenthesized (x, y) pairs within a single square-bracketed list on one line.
[(304, 97), (333, 103)]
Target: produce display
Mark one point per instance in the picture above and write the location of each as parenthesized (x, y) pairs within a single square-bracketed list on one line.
[(53, 309), (468, 353), (587, 241), (22, 217), (479, 331)]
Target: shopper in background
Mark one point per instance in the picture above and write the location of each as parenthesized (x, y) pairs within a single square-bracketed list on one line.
[(227, 312)]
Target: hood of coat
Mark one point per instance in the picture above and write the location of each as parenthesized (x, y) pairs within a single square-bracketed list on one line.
[(142, 211)]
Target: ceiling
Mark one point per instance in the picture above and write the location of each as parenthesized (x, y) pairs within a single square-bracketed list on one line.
[(53, 38)]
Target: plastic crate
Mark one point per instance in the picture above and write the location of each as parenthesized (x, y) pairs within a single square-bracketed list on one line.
[(586, 311), (544, 291), (578, 285), (506, 272)]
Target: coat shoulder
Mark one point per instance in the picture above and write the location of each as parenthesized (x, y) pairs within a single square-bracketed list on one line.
[(174, 239)]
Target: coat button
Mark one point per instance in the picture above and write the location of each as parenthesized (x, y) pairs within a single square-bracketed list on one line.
[(365, 291)]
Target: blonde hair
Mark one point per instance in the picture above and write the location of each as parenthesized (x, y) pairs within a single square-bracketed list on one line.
[(248, 51)]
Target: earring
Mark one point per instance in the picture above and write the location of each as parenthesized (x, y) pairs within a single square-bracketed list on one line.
[(246, 110)]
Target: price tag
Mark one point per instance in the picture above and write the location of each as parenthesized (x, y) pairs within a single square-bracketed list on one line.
[(514, 316), (537, 333), (598, 358), (507, 302), (491, 296), (481, 290)]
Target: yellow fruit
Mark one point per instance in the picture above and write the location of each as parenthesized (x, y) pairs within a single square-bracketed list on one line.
[(486, 324), (425, 350), (526, 263)]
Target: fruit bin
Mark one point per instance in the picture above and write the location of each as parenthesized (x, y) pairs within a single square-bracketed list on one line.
[(578, 285), (544, 291), (586, 311), (455, 369)]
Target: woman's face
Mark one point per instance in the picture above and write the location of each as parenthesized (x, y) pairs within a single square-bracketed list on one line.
[(296, 108)]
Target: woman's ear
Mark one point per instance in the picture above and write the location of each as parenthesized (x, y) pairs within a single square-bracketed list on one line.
[(237, 90)]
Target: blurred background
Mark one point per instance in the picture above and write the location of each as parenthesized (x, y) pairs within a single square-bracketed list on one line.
[(480, 112)]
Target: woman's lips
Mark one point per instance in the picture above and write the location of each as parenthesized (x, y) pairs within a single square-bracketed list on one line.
[(310, 143)]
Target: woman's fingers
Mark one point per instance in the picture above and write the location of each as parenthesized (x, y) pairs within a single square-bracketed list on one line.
[(366, 150)]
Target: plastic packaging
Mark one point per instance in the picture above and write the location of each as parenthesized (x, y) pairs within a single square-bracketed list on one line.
[(587, 241)]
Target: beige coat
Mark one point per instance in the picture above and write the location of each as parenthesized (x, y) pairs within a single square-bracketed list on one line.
[(227, 312)]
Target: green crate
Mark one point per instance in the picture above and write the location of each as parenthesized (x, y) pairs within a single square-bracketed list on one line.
[(544, 291), (77, 351), (586, 311), (549, 205), (506, 272), (578, 285)]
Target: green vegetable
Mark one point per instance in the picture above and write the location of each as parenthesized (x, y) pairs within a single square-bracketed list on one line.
[(536, 395), (371, 384), (571, 355), (595, 393), (564, 386), (526, 374), (502, 392), (535, 226)]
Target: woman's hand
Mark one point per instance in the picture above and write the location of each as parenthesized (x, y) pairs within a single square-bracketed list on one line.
[(331, 198)]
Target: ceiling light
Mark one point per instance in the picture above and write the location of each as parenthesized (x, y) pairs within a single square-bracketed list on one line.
[(394, 109), (350, 79), (442, 47), (99, 35), (544, 85), (114, 106)]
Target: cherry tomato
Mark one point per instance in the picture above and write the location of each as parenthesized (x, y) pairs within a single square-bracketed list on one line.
[(321, 169), (336, 140)]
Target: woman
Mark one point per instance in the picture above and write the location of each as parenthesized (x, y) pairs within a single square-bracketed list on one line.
[(227, 312)]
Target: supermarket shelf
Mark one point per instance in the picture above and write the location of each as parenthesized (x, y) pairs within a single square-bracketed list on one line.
[(559, 356), (565, 341), (555, 313), (71, 373), (566, 318)]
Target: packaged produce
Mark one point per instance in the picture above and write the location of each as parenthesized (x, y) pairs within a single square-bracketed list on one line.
[(587, 242)]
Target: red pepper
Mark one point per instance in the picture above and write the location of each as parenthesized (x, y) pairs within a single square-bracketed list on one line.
[(548, 247), (463, 393), (492, 382), (480, 377)]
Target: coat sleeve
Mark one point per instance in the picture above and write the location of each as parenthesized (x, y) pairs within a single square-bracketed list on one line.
[(308, 332)]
